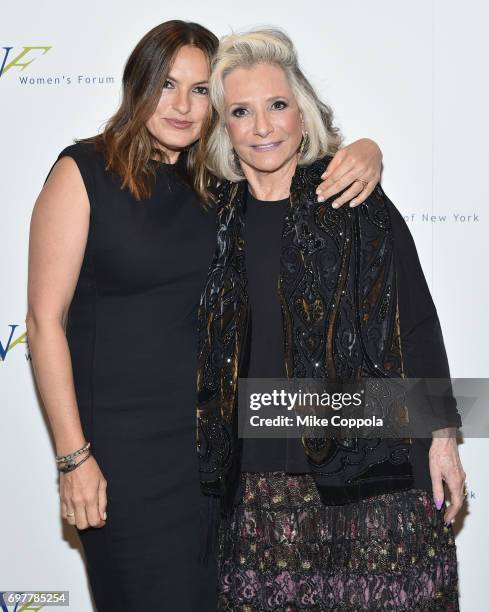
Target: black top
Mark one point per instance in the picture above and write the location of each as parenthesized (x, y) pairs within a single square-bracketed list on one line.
[(262, 235), (423, 352)]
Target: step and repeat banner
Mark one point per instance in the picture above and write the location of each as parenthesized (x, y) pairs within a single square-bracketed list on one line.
[(410, 75)]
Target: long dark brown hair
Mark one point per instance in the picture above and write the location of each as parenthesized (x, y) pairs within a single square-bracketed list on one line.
[(125, 141)]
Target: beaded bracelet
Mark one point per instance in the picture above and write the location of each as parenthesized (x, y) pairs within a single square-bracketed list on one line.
[(71, 465), (64, 458)]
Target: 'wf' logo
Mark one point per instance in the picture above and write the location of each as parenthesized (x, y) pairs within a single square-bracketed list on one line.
[(4, 349), (16, 61)]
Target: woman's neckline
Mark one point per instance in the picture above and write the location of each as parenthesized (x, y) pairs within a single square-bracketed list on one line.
[(267, 202), (158, 162)]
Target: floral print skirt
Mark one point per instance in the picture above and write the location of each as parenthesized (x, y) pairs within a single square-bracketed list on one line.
[(282, 550)]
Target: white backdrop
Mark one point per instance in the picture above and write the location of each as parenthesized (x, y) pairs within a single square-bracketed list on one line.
[(408, 74)]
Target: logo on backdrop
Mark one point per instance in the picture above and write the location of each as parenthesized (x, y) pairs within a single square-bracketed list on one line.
[(15, 60), (10, 339), (20, 60)]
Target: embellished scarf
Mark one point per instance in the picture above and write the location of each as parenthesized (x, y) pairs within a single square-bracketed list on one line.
[(340, 311)]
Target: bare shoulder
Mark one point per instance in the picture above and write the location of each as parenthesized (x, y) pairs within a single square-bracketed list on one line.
[(64, 189), (65, 174)]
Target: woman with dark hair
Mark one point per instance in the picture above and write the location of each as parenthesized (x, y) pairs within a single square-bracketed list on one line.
[(119, 248), (298, 290)]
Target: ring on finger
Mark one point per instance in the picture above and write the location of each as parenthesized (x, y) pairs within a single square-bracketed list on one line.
[(363, 181)]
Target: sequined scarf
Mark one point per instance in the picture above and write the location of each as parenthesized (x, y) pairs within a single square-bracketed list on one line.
[(340, 311)]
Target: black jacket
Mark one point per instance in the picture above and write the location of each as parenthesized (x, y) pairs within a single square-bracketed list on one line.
[(339, 296)]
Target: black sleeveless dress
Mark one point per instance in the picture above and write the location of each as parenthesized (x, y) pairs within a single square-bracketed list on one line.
[(132, 337)]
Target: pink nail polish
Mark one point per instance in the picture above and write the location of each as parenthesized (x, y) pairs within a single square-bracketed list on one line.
[(438, 504)]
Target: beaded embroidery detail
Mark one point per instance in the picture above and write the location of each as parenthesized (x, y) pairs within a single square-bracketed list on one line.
[(340, 315)]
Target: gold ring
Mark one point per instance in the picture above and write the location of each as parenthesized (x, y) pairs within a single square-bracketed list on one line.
[(70, 514), (363, 181)]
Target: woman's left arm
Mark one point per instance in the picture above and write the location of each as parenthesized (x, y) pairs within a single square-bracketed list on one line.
[(358, 165), (424, 358)]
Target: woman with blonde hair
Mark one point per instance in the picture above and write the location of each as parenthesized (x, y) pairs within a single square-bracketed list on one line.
[(308, 524)]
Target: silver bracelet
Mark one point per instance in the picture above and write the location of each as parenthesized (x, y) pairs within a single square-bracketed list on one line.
[(71, 465), (64, 458)]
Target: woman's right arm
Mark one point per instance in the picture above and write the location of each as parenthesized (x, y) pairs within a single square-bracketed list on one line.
[(58, 236)]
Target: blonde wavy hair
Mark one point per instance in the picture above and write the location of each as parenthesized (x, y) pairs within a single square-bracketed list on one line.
[(265, 46)]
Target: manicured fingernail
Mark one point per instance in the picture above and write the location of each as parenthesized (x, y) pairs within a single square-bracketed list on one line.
[(320, 198), (105, 516), (438, 503)]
